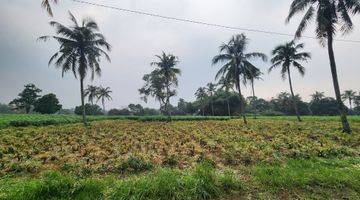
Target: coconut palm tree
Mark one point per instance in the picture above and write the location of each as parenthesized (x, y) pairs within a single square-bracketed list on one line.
[(226, 85), (288, 55), (166, 68), (211, 89), (252, 73), (80, 50), (91, 92), (317, 96), (330, 16), (235, 59), (103, 94), (349, 95), (46, 4), (201, 95)]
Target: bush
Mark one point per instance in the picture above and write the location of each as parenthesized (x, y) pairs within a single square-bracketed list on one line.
[(89, 110), (47, 104), (117, 112)]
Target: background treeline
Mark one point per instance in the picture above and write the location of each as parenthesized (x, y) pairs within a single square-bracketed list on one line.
[(221, 103), (218, 102)]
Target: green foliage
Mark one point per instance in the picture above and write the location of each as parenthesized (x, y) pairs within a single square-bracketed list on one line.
[(324, 106), (47, 104), (5, 109), (161, 83), (203, 182), (135, 165), (332, 173), (117, 112), (27, 98), (284, 103), (89, 110)]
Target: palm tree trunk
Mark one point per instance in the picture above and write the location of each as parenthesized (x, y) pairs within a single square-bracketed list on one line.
[(168, 101), (82, 100), (341, 107), (242, 103), (253, 99), (103, 104), (293, 96), (212, 107), (350, 103), (228, 107), (27, 109)]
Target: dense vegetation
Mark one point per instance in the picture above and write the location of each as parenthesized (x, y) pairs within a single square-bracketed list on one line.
[(270, 156), (133, 156)]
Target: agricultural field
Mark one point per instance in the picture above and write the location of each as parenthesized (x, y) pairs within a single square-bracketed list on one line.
[(270, 158), (24, 120)]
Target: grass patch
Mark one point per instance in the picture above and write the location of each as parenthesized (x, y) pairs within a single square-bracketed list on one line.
[(325, 173), (24, 120), (203, 182)]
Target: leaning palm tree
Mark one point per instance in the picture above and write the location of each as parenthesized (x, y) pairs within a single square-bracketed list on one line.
[(201, 95), (103, 94), (330, 16), (349, 95), (91, 92), (252, 73), (236, 61), (285, 56), (46, 4), (80, 50), (166, 68), (211, 89)]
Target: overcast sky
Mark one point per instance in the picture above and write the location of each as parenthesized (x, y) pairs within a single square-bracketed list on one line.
[(136, 39)]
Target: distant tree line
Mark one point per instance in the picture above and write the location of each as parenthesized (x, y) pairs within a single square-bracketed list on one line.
[(82, 46), (30, 100)]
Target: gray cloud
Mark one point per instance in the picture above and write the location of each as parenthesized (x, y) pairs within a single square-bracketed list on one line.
[(136, 39)]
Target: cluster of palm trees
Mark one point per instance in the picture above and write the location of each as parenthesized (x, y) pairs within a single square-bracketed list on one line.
[(352, 97), (98, 93), (81, 47), (203, 92), (331, 16), (162, 82)]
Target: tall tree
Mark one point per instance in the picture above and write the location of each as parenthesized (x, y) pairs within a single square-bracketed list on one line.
[(330, 16), (46, 4), (226, 85), (92, 93), (80, 50), (350, 96), (201, 95), (161, 82), (236, 61), (47, 104), (211, 89), (253, 73), (317, 96), (27, 98), (103, 94), (288, 55)]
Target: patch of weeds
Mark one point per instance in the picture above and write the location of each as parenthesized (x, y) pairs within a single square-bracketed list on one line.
[(299, 173), (170, 161), (135, 165)]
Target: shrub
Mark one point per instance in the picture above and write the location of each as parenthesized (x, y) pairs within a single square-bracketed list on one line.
[(117, 112), (89, 110)]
